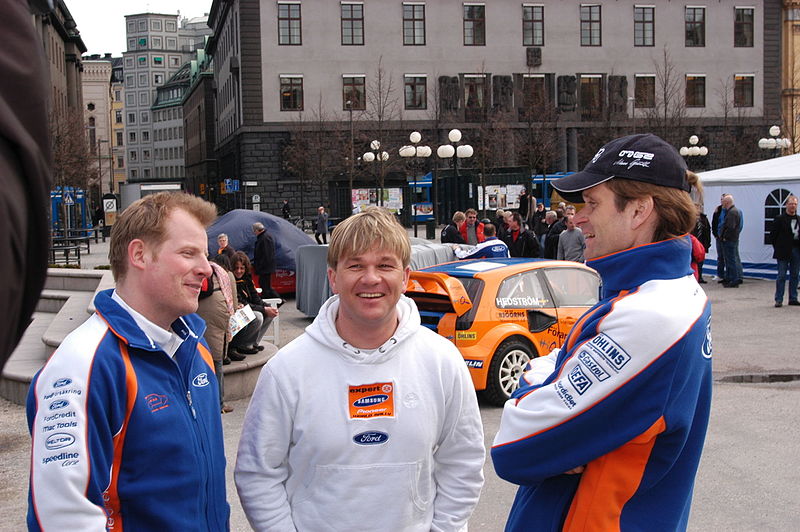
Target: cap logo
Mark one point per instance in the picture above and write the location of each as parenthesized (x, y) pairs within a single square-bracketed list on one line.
[(632, 158), (597, 155)]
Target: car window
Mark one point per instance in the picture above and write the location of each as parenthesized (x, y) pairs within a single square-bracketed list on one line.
[(523, 290), (573, 287), (474, 288)]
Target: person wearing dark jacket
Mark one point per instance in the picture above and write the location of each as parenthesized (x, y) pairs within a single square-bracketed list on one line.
[(731, 223), (451, 233), (247, 341), (321, 226), (785, 239), (718, 241), (264, 257), (521, 242), (702, 232)]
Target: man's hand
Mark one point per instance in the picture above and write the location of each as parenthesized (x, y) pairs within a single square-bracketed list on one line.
[(271, 312)]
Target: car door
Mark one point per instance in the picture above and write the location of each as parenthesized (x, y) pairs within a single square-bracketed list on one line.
[(574, 290), (527, 293)]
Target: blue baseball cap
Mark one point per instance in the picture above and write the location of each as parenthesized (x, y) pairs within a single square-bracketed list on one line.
[(646, 157)]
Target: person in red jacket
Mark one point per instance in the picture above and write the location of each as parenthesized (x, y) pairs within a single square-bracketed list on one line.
[(472, 230)]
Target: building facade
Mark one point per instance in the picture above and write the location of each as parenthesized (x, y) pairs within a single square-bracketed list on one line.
[(97, 112), (158, 45), (577, 73), (118, 122), (199, 131)]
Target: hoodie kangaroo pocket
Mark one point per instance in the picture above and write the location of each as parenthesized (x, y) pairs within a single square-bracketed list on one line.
[(364, 497)]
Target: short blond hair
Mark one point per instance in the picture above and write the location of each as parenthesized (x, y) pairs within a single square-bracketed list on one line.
[(145, 219), (372, 228), (459, 217)]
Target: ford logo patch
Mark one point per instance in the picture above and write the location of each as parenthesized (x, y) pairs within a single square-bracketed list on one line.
[(55, 405), (371, 400), (200, 381), (60, 383), (373, 437), (58, 441)]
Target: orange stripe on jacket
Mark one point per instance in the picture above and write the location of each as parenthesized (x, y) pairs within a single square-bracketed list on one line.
[(113, 506), (609, 482), (206, 354)]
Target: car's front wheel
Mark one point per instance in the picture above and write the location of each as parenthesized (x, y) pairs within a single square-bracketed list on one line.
[(505, 369)]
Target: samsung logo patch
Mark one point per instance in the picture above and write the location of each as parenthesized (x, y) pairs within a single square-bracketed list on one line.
[(372, 437), (371, 400), (59, 441)]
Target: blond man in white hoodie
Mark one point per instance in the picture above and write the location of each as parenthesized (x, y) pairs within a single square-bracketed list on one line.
[(367, 421)]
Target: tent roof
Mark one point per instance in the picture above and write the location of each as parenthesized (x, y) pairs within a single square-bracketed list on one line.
[(786, 168)]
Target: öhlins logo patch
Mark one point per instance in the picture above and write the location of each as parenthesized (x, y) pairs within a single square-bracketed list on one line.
[(367, 401)]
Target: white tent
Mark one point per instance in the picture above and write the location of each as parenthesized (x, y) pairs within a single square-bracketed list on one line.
[(759, 190)]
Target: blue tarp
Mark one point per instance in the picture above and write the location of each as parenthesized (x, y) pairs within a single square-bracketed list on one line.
[(238, 225)]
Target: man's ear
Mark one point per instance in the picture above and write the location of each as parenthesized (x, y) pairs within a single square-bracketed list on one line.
[(137, 254), (643, 210)]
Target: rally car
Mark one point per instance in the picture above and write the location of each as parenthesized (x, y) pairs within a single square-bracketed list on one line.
[(500, 313)]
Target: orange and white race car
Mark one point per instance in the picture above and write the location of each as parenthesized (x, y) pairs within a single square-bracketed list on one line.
[(500, 313)]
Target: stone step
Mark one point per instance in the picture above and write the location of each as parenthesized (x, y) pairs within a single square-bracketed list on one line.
[(73, 280), (27, 358)]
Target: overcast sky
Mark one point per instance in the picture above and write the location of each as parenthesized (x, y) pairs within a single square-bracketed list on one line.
[(102, 23)]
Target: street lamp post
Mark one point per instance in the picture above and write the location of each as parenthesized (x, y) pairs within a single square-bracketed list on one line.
[(377, 155), (693, 150), (459, 151), (775, 143), (417, 152)]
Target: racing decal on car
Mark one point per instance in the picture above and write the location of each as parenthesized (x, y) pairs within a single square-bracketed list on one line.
[(367, 401), (461, 335), (610, 351), (372, 437), (511, 315), (579, 380), (592, 365), (475, 364), (560, 336)]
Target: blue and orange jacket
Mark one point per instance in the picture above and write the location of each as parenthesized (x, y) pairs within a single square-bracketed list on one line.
[(123, 436), (628, 398)]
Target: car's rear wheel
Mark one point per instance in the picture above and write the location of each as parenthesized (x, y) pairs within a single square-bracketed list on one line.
[(505, 369)]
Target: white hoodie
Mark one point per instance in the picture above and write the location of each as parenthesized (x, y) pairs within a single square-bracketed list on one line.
[(340, 439)]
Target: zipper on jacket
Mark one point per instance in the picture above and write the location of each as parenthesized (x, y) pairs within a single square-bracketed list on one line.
[(189, 398)]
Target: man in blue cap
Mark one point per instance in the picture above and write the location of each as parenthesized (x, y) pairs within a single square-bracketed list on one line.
[(606, 432)]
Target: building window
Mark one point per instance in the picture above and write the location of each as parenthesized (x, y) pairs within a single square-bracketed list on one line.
[(172, 43), (643, 26), (156, 42), (591, 94), (644, 91), (590, 26), (142, 25), (133, 174), (174, 61), (118, 116), (131, 118), (352, 24), (533, 25), (120, 161), (158, 79), (146, 172), (129, 82), (534, 95), (695, 26), (131, 44), (145, 136), (414, 24), (743, 28), (416, 90), (743, 90), (170, 26), (354, 91), (131, 27), (155, 25), (695, 90), (117, 95), (158, 60), (145, 155), (289, 31), (131, 137), (119, 138), (474, 97), (143, 80), (132, 155), (474, 25), (291, 93)]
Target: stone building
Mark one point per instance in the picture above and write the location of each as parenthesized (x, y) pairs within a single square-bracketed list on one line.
[(532, 85), (97, 112)]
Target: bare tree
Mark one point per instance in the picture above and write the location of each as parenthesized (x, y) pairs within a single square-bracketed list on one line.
[(72, 162), (668, 115), (735, 142), (538, 139)]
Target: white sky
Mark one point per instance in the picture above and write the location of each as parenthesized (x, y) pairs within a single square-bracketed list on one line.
[(102, 23)]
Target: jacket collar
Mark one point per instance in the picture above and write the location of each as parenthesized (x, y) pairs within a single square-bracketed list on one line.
[(632, 267)]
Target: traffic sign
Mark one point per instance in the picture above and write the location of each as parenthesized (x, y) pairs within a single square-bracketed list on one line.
[(256, 198), (250, 183), (110, 205), (68, 199)]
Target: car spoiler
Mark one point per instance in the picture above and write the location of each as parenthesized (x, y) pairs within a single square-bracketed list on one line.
[(442, 285)]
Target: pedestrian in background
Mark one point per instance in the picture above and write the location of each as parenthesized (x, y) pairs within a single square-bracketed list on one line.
[(702, 231), (248, 340), (285, 210), (472, 230), (731, 224), (571, 242), (490, 248), (715, 230), (521, 241), (785, 239), (451, 234), (264, 257), (321, 226)]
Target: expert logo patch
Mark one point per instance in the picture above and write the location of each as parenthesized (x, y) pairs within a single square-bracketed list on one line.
[(367, 401)]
